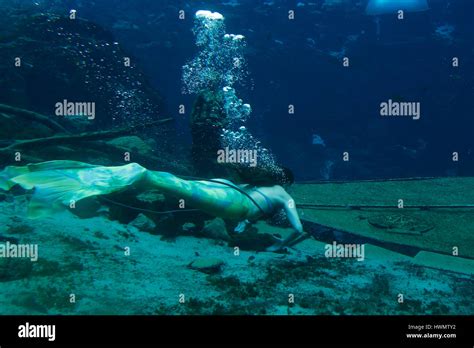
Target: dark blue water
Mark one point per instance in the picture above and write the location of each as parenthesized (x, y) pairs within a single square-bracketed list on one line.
[(299, 62), (291, 63)]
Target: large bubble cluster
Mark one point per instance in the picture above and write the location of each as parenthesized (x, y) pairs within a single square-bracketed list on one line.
[(218, 65), (220, 61), (241, 138), (236, 111)]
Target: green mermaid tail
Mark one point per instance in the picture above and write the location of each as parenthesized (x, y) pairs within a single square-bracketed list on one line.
[(11, 172), (61, 183)]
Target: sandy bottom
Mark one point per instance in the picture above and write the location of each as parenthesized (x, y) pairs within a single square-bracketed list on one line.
[(83, 268)]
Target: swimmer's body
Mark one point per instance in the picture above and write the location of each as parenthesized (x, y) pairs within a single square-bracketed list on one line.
[(60, 182), (227, 202)]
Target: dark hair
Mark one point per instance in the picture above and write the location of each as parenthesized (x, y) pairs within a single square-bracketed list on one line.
[(288, 176)]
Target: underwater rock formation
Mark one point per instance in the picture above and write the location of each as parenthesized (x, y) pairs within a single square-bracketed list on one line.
[(63, 145), (207, 265), (41, 48), (96, 66), (215, 229), (143, 223), (207, 120)]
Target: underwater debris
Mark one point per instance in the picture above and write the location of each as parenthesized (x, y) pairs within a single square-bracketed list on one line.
[(190, 227), (215, 229), (93, 147), (401, 223), (61, 139), (207, 265), (132, 143), (33, 116), (253, 240), (143, 223)]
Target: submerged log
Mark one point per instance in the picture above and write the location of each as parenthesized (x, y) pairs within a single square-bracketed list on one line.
[(74, 138), (33, 116)]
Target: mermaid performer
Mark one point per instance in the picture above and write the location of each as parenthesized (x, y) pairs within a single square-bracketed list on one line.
[(59, 183)]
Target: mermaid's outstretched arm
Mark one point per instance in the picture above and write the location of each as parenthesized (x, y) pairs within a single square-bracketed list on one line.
[(59, 183), (289, 206)]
